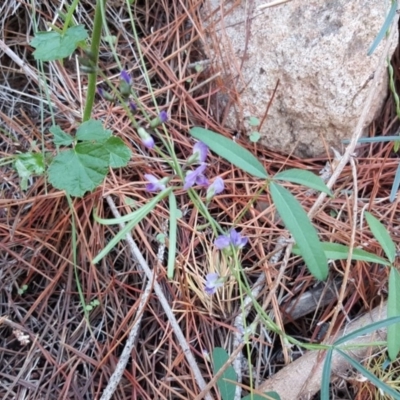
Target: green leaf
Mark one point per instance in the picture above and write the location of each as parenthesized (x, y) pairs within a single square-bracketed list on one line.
[(227, 389), (368, 329), (336, 251), (370, 376), (382, 236), (118, 151), (28, 164), (304, 233), (254, 137), (173, 223), (79, 170), (393, 310), (52, 45), (385, 27), (303, 177), (326, 375), (395, 185), (93, 130), (61, 138), (266, 396), (254, 121), (231, 151), (134, 218)]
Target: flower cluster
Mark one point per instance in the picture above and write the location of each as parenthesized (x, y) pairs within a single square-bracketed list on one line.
[(195, 177), (234, 238)]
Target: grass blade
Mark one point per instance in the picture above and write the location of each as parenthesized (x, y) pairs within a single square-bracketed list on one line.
[(393, 310), (384, 29), (326, 375), (173, 221), (371, 377)]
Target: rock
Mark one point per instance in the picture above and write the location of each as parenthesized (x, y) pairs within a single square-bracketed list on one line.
[(317, 50)]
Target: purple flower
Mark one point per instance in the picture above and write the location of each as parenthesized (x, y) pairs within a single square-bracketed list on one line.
[(213, 282), (200, 151), (132, 106), (196, 177), (216, 187), (100, 92), (147, 140), (154, 184), (126, 77), (161, 119), (233, 238)]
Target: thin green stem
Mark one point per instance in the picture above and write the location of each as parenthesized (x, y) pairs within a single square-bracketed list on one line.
[(68, 17), (94, 48)]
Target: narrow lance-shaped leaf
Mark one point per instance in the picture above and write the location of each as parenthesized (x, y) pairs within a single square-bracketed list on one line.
[(393, 310), (303, 232), (303, 177), (173, 221), (231, 151), (369, 375), (227, 389), (133, 218), (385, 27), (382, 236), (337, 251)]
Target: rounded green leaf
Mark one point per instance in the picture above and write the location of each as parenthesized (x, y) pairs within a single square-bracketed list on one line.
[(93, 130), (61, 138), (303, 232), (79, 170), (118, 151), (231, 151), (53, 45)]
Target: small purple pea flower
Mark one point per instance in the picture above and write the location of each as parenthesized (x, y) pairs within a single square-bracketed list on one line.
[(234, 238), (196, 177), (147, 140), (199, 154), (213, 282), (154, 184), (132, 106), (161, 119), (216, 187), (126, 77), (105, 95), (125, 84)]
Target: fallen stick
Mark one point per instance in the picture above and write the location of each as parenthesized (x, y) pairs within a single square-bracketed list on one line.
[(305, 374)]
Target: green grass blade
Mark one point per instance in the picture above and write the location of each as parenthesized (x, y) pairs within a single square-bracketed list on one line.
[(371, 377), (395, 186), (384, 29), (367, 329), (303, 177), (136, 215), (304, 233), (382, 236), (393, 310), (173, 220), (139, 215), (230, 151), (326, 375)]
